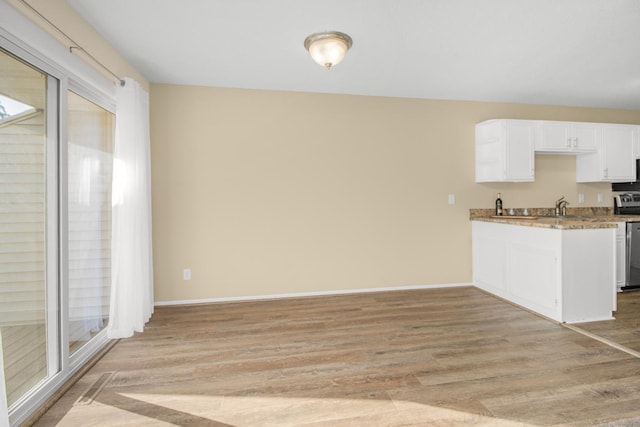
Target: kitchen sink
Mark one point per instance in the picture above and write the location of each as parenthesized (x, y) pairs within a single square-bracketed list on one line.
[(566, 216)]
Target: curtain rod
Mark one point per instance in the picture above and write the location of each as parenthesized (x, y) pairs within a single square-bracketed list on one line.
[(75, 45)]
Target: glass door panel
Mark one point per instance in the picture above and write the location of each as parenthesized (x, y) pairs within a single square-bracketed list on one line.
[(23, 226), (90, 158)]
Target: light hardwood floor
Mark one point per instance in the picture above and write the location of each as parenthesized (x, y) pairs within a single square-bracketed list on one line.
[(441, 357), (625, 330)]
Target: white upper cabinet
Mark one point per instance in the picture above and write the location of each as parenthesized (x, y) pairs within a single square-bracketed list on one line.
[(614, 161), (504, 151), (566, 137), (604, 152)]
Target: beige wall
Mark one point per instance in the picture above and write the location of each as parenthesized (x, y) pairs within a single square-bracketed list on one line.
[(270, 192), (71, 23), (264, 192)]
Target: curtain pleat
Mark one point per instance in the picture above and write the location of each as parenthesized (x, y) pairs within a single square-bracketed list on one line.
[(131, 254)]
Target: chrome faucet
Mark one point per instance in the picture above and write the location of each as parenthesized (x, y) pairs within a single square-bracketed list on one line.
[(561, 207)]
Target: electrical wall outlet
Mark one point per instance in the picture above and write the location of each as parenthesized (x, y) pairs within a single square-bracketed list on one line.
[(580, 197), (186, 274), (600, 198), (452, 199)]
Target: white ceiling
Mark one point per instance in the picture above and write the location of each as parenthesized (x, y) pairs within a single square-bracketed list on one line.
[(557, 52)]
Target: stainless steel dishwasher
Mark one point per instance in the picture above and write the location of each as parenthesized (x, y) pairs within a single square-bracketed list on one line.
[(629, 204), (633, 257)]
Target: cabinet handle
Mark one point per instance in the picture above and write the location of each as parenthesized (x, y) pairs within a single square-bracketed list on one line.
[(569, 142), (575, 141), (606, 172)]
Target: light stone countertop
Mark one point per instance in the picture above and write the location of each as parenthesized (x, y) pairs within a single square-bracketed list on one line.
[(582, 220)]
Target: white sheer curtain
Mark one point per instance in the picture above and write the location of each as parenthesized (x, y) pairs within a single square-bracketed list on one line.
[(4, 412), (131, 257)]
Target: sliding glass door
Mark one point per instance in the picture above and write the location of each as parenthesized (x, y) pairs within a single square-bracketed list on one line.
[(56, 159), (27, 303), (90, 163)]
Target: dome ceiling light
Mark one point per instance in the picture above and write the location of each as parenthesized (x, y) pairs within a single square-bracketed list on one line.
[(328, 48)]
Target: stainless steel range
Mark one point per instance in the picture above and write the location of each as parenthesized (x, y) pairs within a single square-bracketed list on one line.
[(629, 204)]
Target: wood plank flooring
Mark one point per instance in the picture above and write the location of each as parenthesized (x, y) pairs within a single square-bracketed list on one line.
[(625, 330), (442, 357)]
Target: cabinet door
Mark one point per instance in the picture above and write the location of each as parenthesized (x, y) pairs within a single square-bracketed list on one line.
[(519, 159), (554, 136), (584, 136), (488, 263), (566, 137), (532, 275), (618, 150)]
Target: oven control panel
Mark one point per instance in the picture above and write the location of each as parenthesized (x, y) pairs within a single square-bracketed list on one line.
[(628, 203)]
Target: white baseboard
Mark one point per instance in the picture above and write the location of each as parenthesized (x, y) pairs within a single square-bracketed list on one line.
[(307, 294)]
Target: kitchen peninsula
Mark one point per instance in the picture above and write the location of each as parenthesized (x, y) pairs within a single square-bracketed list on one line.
[(563, 268)]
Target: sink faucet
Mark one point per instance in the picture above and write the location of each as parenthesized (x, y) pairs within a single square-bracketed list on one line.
[(561, 207)]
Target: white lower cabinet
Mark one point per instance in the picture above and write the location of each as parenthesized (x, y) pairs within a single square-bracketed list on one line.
[(533, 274), (621, 260), (566, 275)]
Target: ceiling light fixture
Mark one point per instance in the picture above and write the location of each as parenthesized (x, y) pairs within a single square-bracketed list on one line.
[(328, 48)]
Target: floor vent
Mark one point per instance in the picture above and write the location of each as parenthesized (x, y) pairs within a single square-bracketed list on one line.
[(90, 394)]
